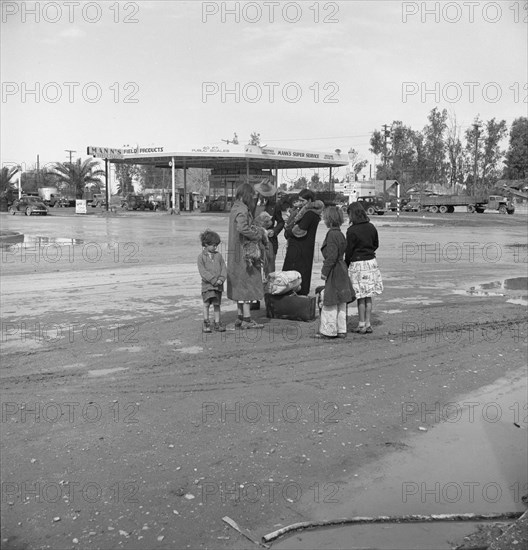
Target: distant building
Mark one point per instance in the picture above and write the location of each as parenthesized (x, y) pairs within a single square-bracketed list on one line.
[(366, 187)]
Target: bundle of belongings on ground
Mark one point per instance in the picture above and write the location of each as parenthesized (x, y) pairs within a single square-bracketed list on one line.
[(281, 300)]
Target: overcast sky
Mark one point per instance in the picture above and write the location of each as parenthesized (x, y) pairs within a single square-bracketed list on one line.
[(312, 76)]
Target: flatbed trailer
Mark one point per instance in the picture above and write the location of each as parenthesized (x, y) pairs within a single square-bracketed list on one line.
[(446, 203)]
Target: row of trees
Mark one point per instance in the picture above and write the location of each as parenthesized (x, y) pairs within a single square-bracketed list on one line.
[(69, 177), (73, 177), (442, 153), (437, 154)]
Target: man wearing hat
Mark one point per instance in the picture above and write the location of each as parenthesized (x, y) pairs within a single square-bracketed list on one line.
[(266, 188)]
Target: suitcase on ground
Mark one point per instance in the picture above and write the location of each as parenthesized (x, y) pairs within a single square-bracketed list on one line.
[(290, 306)]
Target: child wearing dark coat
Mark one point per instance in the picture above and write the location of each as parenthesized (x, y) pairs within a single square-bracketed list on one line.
[(213, 271), (338, 291)]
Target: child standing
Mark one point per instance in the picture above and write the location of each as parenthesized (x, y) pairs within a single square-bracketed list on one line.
[(338, 289), (362, 243), (213, 271)]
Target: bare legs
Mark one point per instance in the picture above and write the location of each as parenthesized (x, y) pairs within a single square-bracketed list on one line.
[(216, 309), (364, 306)]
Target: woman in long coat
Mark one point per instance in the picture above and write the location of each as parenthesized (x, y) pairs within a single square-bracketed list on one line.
[(300, 232), (244, 283), (338, 291)]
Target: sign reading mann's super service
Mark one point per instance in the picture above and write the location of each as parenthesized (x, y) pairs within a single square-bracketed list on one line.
[(118, 153), (291, 153)]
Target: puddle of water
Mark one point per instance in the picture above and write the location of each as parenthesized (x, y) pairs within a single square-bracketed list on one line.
[(476, 464), (477, 293), (104, 372), (45, 241), (417, 300), (9, 239), (519, 301), (422, 536), (516, 283), (506, 287)]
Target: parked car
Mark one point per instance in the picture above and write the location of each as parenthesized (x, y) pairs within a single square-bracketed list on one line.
[(373, 204), (65, 202), (412, 206), (28, 205), (134, 202), (99, 199), (393, 206)]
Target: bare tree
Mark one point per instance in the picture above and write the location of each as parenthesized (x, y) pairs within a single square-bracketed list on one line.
[(454, 151)]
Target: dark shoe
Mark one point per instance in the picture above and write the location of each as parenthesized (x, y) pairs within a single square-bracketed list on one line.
[(341, 335), (360, 330), (368, 330), (319, 336), (250, 324), (238, 323), (218, 327), (206, 327)]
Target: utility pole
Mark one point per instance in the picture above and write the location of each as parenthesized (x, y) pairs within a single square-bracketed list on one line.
[(385, 134), (38, 170), (475, 166), (70, 151)]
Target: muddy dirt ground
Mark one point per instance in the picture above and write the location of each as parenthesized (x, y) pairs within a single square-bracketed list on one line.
[(124, 427)]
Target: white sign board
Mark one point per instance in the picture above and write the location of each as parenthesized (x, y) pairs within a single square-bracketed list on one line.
[(80, 206), (105, 152)]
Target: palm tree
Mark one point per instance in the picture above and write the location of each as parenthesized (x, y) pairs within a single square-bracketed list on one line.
[(6, 175), (77, 175)]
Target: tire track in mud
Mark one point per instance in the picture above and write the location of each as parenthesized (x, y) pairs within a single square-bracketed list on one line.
[(309, 371), (224, 369)]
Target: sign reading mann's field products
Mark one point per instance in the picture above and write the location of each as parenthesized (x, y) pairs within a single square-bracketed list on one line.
[(117, 153)]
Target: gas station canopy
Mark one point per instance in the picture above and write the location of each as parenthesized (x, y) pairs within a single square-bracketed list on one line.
[(224, 156), (230, 164)]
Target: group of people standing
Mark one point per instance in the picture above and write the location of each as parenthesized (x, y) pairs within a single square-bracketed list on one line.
[(349, 268)]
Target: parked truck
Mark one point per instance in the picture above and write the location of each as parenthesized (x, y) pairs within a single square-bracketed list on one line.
[(447, 203), (49, 195)]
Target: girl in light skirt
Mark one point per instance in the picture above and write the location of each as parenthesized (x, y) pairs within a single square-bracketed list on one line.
[(360, 256)]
